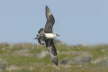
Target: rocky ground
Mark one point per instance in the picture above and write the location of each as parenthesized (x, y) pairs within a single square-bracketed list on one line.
[(26, 57)]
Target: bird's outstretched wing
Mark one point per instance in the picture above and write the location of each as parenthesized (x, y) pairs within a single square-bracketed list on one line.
[(50, 21), (52, 50)]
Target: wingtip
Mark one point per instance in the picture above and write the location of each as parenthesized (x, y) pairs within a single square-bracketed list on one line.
[(46, 6), (48, 12)]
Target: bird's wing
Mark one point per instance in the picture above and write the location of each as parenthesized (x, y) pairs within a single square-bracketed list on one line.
[(50, 21), (52, 50)]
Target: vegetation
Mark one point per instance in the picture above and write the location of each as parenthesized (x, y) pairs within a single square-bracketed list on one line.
[(27, 57)]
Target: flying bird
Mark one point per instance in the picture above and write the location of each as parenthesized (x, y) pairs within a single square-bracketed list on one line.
[(46, 36)]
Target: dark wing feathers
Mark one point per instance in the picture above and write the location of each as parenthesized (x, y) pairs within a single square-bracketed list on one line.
[(50, 43), (52, 50), (47, 11), (50, 21)]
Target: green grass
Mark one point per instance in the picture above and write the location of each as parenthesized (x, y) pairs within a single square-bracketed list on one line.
[(31, 63)]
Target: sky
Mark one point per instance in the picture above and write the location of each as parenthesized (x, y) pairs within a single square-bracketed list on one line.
[(77, 21)]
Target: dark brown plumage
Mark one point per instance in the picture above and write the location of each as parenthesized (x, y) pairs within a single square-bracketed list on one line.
[(48, 42)]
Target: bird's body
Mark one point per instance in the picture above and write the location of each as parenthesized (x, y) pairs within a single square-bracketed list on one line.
[(46, 35)]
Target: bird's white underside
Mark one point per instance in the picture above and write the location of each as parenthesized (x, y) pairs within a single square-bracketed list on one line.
[(50, 35)]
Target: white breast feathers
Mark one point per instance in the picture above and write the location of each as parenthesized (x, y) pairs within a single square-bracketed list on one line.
[(50, 35)]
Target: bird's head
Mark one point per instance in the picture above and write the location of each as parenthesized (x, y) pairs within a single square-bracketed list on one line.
[(40, 33)]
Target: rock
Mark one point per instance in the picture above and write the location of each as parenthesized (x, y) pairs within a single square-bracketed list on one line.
[(42, 54), (103, 61), (77, 60), (82, 59), (3, 65), (13, 67), (22, 52), (65, 61)]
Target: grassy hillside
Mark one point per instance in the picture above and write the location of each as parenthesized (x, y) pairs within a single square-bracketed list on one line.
[(26, 57)]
